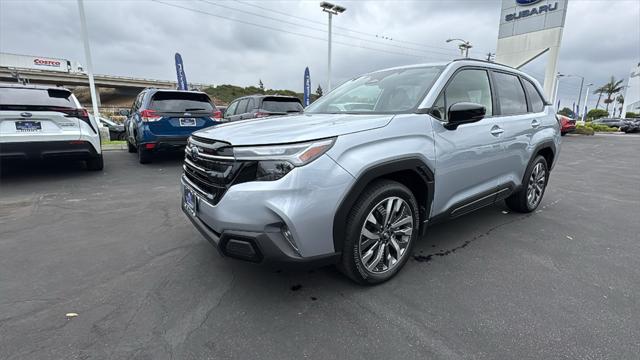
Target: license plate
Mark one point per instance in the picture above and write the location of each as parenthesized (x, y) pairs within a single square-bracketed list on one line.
[(187, 121), (190, 201), (28, 126)]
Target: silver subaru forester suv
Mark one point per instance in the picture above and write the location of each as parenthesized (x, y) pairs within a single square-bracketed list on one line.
[(358, 177)]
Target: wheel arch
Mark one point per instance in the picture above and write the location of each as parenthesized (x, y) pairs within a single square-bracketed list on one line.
[(548, 150), (411, 172)]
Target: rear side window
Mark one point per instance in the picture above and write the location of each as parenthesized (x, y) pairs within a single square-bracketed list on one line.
[(178, 101), (510, 94), (231, 109), (537, 104), (16, 97), (281, 105)]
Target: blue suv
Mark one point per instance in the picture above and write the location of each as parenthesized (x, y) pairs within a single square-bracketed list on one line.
[(163, 120)]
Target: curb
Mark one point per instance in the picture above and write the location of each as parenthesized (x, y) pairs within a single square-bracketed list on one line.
[(113, 147)]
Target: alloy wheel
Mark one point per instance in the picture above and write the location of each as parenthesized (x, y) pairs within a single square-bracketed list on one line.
[(536, 185), (385, 235)]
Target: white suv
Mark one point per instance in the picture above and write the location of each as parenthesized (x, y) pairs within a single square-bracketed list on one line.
[(39, 122)]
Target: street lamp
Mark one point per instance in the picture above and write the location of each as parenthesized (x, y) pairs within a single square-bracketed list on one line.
[(330, 9), (581, 86), (464, 46), (586, 99)]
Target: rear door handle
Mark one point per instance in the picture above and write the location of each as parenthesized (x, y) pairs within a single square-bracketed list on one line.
[(535, 123), (496, 130)]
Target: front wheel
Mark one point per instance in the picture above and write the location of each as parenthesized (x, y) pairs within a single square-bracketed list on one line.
[(381, 229), (534, 184)]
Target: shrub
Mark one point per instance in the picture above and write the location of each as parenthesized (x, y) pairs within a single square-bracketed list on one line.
[(584, 130), (601, 128), (594, 114)]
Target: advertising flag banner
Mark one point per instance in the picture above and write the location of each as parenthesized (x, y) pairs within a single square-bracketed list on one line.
[(182, 78), (307, 87)]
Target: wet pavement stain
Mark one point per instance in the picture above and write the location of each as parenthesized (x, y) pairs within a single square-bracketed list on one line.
[(296, 287)]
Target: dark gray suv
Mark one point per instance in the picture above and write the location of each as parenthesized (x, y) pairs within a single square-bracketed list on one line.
[(259, 106)]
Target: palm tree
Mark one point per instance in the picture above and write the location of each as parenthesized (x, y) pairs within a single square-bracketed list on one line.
[(599, 91), (611, 88)]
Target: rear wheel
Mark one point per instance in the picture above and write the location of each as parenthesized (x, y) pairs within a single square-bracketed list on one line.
[(95, 164), (534, 184), (381, 229), (130, 147), (144, 156)]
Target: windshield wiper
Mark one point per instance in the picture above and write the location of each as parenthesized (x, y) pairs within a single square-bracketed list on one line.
[(194, 109)]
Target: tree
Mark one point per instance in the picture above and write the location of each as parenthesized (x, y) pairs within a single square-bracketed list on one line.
[(566, 112), (594, 114), (610, 88), (599, 91), (319, 91), (260, 85)]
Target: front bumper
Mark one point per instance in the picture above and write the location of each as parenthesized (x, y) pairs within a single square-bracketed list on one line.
[(253, 217)]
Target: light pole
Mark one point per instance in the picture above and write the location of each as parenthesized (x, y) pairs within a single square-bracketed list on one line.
[(87, 55), (464, 46), (330, 9), (580, 94), (586, 99)]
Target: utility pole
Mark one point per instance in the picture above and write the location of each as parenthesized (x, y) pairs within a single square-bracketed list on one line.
[(87, 55), (330, 9), (490, 56)]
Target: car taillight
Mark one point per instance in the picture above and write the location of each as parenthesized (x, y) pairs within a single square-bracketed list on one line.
[(262, 114), (217, 114), (149, 116), (80, 114)]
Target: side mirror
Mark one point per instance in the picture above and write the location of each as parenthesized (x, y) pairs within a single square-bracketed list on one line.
[(464, 113), (124, 112)]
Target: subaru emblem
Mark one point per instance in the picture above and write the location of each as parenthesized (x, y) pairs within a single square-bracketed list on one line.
[(527, 2), (26, 114), (194, 152)]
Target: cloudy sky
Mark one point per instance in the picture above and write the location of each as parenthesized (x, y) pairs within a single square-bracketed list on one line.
[(242, 41)]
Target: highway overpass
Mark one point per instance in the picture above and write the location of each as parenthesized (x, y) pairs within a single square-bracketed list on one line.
[(123, 88)]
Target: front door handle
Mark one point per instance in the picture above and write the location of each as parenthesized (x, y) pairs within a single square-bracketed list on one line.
[(535, 123), (496, 130)]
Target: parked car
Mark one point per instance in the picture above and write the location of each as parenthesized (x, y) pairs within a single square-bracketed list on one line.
[(357, 188), (630, 125), (40, 122), (258, 106), (567, 124), (116, 131), (222, 109), (610, 122), (162, 120)]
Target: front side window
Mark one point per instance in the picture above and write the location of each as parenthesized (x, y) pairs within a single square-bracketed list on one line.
[(537, 104), (383, 92), (470, 86), (231, 110), (510, 94), (242, 106)]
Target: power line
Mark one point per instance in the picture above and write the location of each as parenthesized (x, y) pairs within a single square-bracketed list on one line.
[(285, 31), (320, 30), (346, 28)]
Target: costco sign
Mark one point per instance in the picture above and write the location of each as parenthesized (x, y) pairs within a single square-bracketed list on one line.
[(46, 62)]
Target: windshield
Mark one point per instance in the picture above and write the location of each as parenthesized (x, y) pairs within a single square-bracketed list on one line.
[(390, 91)]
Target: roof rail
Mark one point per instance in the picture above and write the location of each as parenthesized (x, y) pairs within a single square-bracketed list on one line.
[(484, 61)]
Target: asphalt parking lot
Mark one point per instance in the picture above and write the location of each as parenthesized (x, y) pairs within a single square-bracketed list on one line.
[(115, 248)]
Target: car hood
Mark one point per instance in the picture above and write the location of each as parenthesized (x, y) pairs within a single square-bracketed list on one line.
[(289, 129)]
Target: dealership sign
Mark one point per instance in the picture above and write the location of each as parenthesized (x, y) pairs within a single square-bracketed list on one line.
[(530, 12)]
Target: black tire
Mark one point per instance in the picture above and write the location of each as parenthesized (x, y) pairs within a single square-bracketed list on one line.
[(130, 147), (96, 163), (563, 134), (518, 201), (351, 263), (144, 156)]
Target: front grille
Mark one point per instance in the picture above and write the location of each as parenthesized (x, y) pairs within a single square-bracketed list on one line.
[(210, 166)]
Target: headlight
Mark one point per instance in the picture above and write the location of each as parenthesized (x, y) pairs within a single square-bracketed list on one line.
[(298, 154)]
